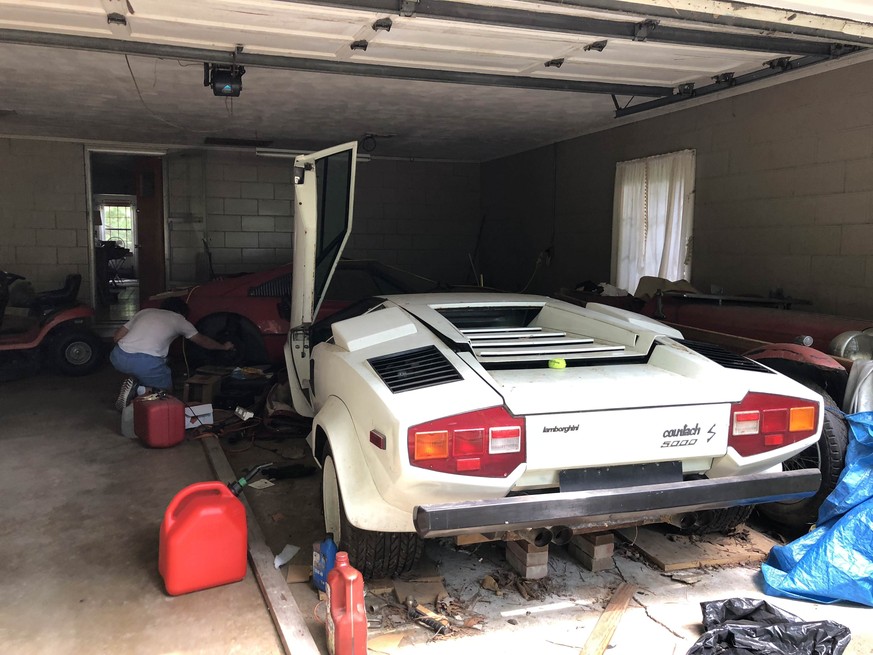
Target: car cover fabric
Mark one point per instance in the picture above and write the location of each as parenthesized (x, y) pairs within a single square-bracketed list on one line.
[(750, 626), (834, 561)]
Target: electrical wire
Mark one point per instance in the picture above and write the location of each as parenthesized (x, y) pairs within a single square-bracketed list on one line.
[(152, 112)]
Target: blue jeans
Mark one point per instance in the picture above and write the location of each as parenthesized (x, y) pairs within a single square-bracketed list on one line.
[(150, 370)]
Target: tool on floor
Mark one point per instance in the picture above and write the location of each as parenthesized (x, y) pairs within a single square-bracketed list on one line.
[(204, 536), (428, 618)]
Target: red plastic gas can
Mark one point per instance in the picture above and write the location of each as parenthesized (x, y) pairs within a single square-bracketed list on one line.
[(346, 616), (203, 540), (159, 422)]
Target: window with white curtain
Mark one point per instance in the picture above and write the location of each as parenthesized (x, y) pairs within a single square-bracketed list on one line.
[(652, 218)]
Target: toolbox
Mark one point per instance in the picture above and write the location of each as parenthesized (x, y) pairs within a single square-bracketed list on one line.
[(159, 420)]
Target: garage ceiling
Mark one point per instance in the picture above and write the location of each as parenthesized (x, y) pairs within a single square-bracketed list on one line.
[(459, 80)]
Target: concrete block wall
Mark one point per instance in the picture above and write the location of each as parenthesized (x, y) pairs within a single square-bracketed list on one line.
[(249, 211), (784, 193), (186, 182), (420, 216), (43, 217)]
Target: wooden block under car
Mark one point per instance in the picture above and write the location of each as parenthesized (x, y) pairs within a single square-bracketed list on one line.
[(596, 545), (524, 570), (528, 560), (201, 388), (527, 553)]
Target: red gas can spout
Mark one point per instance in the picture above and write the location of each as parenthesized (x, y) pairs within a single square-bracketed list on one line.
[(236, 486)]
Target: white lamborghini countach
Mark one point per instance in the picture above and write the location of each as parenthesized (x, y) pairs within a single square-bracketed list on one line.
[(519, 416)]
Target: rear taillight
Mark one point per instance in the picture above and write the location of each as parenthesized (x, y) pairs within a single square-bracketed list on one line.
[(763, 422), (487, 443)]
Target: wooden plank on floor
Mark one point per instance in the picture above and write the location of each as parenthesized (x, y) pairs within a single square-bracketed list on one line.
[(286, 615), (673, 552), (598, 640)]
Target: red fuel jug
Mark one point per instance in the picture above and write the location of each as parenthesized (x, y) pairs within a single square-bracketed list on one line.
[(203, 540), (346, 616), (158, 420)]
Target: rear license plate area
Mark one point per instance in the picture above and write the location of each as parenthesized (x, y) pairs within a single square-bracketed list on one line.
[(615, 477)]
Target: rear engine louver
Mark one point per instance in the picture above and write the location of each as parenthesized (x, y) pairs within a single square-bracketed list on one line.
[(724, 357), (414, 369), (276, 288)]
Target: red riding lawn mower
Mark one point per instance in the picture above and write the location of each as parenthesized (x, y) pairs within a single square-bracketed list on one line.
[(52, 328)]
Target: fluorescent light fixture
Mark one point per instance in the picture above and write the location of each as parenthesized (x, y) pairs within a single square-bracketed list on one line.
[(280, 153)]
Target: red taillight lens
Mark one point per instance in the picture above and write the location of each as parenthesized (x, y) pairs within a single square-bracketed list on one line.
[(487, 443), (763, 422)]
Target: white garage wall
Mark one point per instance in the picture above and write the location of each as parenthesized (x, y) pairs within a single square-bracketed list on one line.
[(421, 216), (784, 194), (43, 227)]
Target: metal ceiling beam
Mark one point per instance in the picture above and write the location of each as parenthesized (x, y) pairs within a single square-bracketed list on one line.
[(185, 53), (591, 27), (726, 19), (777, 67)]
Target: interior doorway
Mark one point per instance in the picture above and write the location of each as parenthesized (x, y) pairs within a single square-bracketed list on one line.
[(128, 223)]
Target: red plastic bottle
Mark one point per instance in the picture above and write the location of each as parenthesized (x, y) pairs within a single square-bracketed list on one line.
[(346, 616), (203, 540)]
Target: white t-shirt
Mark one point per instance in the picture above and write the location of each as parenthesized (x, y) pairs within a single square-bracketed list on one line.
[(151, 331)]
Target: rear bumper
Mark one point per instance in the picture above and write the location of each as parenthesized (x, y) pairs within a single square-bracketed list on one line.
[(612, 507)]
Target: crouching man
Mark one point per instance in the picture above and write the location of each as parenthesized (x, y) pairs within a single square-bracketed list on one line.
[(142, 344)]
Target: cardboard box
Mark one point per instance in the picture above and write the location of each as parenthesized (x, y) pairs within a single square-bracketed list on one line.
[(198, 415)]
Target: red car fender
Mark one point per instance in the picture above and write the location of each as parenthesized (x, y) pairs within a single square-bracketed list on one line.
[(796, 353)]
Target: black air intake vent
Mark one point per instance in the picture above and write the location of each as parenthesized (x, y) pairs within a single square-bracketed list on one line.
[(278, 287), (414, 369), (724, 357)]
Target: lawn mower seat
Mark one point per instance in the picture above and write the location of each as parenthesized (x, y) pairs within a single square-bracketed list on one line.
[(62, 297)]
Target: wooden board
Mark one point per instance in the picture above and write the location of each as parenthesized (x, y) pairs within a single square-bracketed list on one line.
[(671, 552), (598, 640), (289, 622)]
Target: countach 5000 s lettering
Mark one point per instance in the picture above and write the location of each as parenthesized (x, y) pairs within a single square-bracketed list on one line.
[(439, 414)]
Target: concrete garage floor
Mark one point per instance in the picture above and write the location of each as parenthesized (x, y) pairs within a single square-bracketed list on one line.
[(79, 523), (79, 537)]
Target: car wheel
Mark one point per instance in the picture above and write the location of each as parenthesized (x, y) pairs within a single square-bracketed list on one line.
[(75, 351), (828, 455), (715, 520), (374, 554), (243, 334)]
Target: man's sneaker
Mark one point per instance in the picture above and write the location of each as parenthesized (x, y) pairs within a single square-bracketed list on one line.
[(127, 393)]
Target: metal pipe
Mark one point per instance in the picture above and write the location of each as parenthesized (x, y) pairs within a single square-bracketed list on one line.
[(537, 536), (561, 535)]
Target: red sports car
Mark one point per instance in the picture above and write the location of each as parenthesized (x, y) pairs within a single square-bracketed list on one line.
[(251, 310)]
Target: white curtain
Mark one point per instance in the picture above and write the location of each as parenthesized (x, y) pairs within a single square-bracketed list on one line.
[(652, 216)]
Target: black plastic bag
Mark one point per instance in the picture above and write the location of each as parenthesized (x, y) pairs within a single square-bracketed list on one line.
[(750, 626)]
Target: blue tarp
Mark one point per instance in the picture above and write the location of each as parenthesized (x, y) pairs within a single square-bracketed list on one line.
[(834, 561)]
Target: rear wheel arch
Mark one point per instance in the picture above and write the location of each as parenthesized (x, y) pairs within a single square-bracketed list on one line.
[(384, 552), (236, 328)]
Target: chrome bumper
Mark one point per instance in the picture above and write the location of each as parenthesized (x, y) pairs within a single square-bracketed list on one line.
[(612, 507)]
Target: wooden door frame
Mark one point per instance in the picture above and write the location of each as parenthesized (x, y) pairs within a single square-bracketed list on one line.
[(89, 205)]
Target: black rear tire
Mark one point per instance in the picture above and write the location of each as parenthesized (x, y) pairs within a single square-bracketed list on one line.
[(75, 351), (828, 455), (248, 343), (374, 554), (715, 520)]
